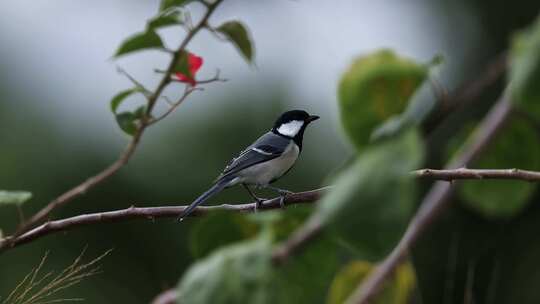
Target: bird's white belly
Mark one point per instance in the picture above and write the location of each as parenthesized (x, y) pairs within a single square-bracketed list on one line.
[(263, 173)]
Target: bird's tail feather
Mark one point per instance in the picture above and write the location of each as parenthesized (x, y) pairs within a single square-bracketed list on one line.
[(216, 188)]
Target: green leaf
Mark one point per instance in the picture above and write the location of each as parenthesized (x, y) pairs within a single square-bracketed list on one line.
[(306, 275), (240, 273), (371, 202), (14, 197), (127, 122), (525, 69), (374, 88), (119, 98), (420, 106), (168, 18), (138, 42), (516, 146), (238, 34), (397, 290), (166, 4), (140, 112), (182, 65), (229, 227)]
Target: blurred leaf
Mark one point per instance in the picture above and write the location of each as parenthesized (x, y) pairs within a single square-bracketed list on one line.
[(305, 277), (14, 197), (219, 229), (119, 98), (374, 88), (238, 34), (525, 68), (182, 65), (398, 290), (138, 42), (168, 18), (516, 146), (140, 112), (437, 60), (166, 4), (420, 106), (127, 122), (240, 273), (369, 206)]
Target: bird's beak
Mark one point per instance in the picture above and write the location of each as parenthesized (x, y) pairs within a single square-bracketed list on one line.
[(312, 118)]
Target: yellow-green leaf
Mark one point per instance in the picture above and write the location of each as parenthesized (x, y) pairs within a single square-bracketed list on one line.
[(397, 290), (375, 87)]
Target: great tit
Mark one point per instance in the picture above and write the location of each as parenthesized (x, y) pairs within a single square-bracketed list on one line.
[(266, 160)]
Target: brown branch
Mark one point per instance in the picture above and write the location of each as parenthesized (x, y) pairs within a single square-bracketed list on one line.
[(468, 92), (80, 189), (173, 105), (298, 239), (121, 215), (465, 173), (434, 202)]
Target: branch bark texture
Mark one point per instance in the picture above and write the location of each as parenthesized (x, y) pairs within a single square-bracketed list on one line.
[(151, 213)]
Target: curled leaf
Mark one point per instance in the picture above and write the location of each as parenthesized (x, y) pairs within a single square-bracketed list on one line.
[(120, 97)]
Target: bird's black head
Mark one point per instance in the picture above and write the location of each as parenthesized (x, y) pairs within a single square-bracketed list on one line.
[(292, 124)]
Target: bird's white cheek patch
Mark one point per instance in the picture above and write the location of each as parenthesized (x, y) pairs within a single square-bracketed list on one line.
[(291, 128)]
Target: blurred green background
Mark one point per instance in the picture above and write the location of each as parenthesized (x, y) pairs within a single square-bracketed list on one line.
[(56, 129)]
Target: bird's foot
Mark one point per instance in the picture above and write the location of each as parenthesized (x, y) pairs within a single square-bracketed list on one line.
[(283, 195), (259, 203)]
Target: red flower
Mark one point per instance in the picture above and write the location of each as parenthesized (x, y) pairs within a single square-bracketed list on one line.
[(194, 64)]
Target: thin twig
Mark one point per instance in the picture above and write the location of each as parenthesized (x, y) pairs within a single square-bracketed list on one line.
[(174, 105), (139, 85), (123, 159), (468, 92), (435, 201), (307, 197), (465, 173)]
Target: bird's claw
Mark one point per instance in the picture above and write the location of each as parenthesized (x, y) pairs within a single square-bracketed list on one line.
[(283, 196), (259, 203)]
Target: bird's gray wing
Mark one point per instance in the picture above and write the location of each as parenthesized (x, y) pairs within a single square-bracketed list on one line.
[(267, 147)]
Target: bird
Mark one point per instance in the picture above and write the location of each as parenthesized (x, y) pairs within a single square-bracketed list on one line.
[(263, 162)]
